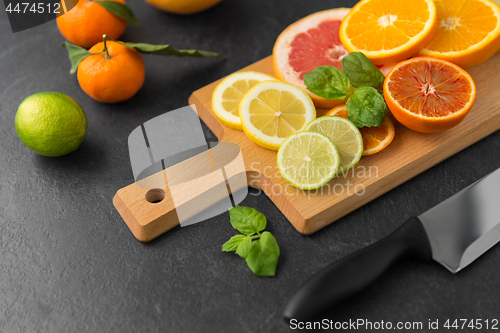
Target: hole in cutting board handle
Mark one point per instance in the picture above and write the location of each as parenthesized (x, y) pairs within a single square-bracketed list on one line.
[(155, 195)]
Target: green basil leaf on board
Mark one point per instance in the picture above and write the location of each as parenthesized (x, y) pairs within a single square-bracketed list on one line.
[(366, 107), (76, 55), (328, 82), (120, 10), (260, 250), (263, 256), (233, 243), (247, 220), (361, 71)]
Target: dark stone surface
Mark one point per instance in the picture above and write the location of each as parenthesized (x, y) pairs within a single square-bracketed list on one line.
[(68, 263)]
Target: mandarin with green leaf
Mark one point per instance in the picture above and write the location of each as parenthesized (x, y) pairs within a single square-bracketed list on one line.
[(85, 23), (114, 73)]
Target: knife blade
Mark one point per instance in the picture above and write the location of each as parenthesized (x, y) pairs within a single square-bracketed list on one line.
[(454, 233)]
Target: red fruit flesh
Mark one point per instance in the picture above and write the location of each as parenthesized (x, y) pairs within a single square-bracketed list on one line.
[(319, 46)]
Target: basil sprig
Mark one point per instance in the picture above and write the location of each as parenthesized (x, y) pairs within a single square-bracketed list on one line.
[(260, 250), (365, 105)]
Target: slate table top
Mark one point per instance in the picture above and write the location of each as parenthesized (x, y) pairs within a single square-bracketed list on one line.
[(68, 263)]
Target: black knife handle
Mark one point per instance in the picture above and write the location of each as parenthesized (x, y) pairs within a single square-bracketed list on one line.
[(353, 273)]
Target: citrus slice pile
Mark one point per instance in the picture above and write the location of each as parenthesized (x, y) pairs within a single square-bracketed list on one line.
[(389, 30), (272, 110), (429, 95), (468, 32), (375, 139), (308, 43), (344, 135), (227, 96), (308, 160)]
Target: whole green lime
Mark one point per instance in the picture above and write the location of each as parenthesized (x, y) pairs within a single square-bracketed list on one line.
[(51, 123)]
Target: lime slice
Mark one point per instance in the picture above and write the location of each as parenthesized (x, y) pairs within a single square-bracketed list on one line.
[(308, 160), (345, 136)]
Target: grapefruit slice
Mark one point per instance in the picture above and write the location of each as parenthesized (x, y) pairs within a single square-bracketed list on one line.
[(429, 95), (308, 43)]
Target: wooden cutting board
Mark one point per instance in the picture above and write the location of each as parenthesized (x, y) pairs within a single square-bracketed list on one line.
[(308, 211), (408, 155)]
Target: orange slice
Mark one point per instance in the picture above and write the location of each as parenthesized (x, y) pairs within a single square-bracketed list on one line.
[(468, 32), (306, 44), (375, 139), (429, 95), (389, 30)]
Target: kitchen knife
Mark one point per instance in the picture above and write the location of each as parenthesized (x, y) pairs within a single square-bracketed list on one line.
[(454, 233)]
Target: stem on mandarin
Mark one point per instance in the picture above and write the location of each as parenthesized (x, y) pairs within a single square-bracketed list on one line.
[(104, 37)]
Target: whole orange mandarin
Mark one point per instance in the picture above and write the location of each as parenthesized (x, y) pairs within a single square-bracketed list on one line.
[(115, 79), (85, 23)]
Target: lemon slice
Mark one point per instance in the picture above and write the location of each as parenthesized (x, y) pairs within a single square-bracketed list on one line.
[(227, 95), (272, 110), (308, 160), (345, 136)]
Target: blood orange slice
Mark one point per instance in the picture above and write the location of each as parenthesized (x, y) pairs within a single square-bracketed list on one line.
[(429, 95), (375, 139), (308, 43)]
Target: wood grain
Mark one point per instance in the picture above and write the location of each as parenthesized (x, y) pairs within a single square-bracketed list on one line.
[(308, 211)]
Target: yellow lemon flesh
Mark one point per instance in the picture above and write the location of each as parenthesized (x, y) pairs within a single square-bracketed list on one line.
[(272, 110)]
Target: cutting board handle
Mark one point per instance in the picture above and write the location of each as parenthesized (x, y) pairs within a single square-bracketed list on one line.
[(185, 193), (347, 276), (147, 212)]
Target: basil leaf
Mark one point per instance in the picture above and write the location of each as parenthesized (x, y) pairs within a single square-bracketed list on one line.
[(263, 255), (233, 243), (328, 82), (247, 220), (76, 55), (366, 107), (244, 247), (361, 71), (120, 10)]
